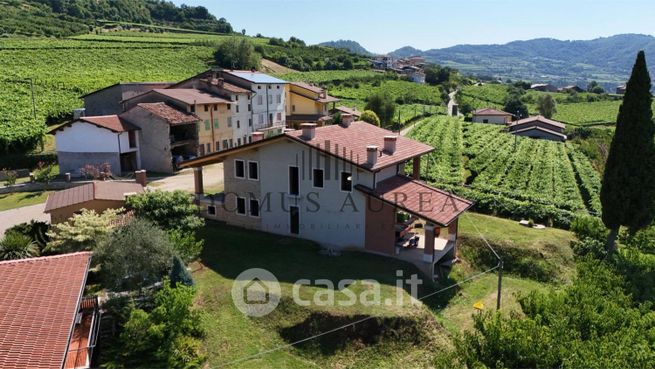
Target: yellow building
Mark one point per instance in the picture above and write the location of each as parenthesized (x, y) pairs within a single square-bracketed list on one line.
[(307, 104)]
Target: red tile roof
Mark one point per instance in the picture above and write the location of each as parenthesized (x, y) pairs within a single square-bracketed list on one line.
[(538, 118), (307, 86), (420, 199), (169, 113), (349, 143), (38, 306), (113, 123), (347, 110), (97, 190), (490, 111), (191, 96)]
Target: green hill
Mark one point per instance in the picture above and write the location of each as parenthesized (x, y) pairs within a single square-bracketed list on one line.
[(62, 18)]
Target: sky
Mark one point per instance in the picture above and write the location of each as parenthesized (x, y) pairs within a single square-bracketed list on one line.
[(385, 25)]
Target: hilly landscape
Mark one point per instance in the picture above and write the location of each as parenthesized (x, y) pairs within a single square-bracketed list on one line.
[(607, 60)]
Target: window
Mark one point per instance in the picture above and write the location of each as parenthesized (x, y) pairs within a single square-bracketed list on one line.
[(293, 108), (206, 107), (294, 220), (239, 167), (218, 145), (215, 107), (253, 170), (209, 148), (249, 107), (206, 124), (211, 210), (260, 100), (231, 143), (237, 108), (269, 87), (279, 117), (237, 98), (318, 178), (485, 120), (261, 118), (201, 150), (254, 208), (216, 123), (238, 124), (279, 99), (229, 121), (193, 108), (346, 182), (131, 136), (269, 99), (278, 87), (241, 206), (225, 145), (294, 181), (229, 106), (239, 141), (259, 87), (249, 122)]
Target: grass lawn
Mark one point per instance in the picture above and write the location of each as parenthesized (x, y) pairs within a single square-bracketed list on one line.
[(20, 199), (424, 326)]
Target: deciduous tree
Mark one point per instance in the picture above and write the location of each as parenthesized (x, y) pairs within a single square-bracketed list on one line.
[(546, 106)]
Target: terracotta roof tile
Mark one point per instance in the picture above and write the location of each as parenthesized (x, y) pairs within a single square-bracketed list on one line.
[(169, 113), (97, 190), (38, 306), (347, 110), (191, 96), (490, 111), (350, 143), (420, 199)]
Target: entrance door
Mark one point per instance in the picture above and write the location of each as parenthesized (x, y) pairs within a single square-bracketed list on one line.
[(294, 219), (128, 162)]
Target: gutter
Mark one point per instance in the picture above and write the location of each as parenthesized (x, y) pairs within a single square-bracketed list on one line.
[(77, 308)]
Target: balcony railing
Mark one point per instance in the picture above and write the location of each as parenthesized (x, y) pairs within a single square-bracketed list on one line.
[(85, 335)]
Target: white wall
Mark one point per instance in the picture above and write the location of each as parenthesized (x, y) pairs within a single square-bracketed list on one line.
[(492, 119), (85, 137), (271, 106)]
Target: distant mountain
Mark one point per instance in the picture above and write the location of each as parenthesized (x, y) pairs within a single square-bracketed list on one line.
[(352, 46), (607, 60)]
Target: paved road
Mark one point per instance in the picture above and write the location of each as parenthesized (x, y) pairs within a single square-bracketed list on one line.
[(212, 176), (10, 218)]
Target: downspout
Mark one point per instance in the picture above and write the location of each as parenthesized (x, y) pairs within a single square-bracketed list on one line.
[(267, 108), (119, 152), (211, 124)]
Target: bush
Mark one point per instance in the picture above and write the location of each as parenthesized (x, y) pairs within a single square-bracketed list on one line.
[(17, 246), (369, 116), (82, 232), (383, 106), (35, 230), (134, 256), (169, 210), (589, 227), (186, 244), (165, 337), (44, 173), (10, 177)]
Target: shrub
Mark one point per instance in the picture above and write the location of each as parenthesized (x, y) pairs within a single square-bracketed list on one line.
[(35, 230), (10, 177), (17, 246), (134, 256), (369, 116), (168, 209), (589, 227), (180, 274), (44, 173), (383, 106), (186, 244), (82, 231)]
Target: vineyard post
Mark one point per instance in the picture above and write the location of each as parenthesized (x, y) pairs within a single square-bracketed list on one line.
[(33, 100)]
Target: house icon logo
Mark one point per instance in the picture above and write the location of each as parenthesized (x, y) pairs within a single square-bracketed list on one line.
[(256, 292)]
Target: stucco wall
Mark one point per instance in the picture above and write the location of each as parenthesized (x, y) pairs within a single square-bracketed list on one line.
[(72, 162), (85, 137), (105, 102), (244, 188), (328, 215), (491, 119), (539, 134)]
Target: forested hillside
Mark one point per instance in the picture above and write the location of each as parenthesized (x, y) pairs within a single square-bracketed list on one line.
[(606, 59), (69, 17)]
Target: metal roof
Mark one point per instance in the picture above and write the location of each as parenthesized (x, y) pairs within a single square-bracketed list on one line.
[(255, 77)]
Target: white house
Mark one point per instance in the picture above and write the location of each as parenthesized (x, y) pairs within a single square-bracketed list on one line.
[(493, 116), (342, 186), (96, 141), (268, 102)]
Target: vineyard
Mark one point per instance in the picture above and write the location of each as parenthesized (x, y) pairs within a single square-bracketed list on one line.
[(62, 70), (508, 175), (324, 76), (401, 91)]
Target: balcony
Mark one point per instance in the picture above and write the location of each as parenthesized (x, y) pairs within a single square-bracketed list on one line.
[(85, 335)]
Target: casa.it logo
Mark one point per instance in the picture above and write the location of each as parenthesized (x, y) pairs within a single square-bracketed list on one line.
[(256, 292)]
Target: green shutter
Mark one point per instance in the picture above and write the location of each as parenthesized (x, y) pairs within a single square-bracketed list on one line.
[(207, 125), (216, 123)]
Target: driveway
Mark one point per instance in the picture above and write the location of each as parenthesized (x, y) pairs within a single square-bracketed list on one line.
[(10, 218), (212, 178)]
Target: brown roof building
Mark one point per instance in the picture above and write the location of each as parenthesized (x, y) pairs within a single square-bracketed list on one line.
[(97, 195), (44, 320), (493, 116), (539, 127)]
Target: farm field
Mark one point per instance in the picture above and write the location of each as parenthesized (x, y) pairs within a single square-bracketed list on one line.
[(323, 76), (401, 91), (506, 174)]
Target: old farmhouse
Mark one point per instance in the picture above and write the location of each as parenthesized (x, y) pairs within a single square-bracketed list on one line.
[(493, 116)]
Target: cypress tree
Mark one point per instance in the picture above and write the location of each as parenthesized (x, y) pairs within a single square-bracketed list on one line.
[(628, 191)]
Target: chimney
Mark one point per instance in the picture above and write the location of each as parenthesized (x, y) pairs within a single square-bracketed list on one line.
[(308, 131), (390, 144), (140, 177), (220, 82), (346, 119), (371, 154), (257, 136)]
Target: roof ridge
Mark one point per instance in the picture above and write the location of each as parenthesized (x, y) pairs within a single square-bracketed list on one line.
[(42, 258)]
